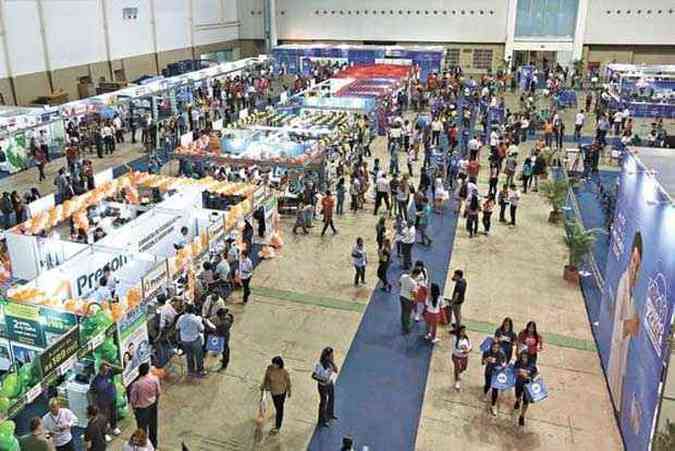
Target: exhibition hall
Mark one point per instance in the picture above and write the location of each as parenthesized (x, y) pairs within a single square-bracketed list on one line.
[(345, 225)]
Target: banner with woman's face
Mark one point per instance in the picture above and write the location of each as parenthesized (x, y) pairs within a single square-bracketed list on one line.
[(637, 301)]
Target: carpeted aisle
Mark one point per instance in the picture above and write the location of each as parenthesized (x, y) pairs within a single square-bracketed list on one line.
[(380, 389)]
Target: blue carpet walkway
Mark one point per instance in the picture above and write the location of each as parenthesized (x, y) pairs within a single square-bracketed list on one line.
[(380, 389)]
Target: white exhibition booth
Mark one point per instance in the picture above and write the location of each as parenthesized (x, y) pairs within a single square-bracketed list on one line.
[(61, 270)]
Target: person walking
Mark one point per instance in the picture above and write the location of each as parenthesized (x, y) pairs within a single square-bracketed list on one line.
[(461, 349), (503, 199), (403, 197), (245, 273), (530, 339), (277, 381), (380, 231), (103, 389), (472, 211), (327, 205), (384, 259), (408, 288), (94, 435), (340, 191), (359, 260), (432, 313), (58, 422), (494, 360), (488, 207), (458, 295), (325, 373), (506, 337), (300, 220), (514, 200), (223, 321), (41, 162), (190, 328), (526, 371), (407, 242), (144, 399), (381, 192), (527, 170), (424, 219)]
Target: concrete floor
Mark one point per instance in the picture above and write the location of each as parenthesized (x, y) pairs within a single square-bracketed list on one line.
[(304, 300)]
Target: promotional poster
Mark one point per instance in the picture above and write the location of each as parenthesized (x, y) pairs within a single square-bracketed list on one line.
[(133, 343), (637, 303)]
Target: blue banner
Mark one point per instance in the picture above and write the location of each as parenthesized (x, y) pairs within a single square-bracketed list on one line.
[(637, 301)]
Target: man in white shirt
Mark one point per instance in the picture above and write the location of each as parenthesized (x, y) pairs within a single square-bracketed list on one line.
[(167, 314), (117, 125), (406, 297), (407, 243), (524, 126), (436, 129), (58, 422), (579, 124), (514, 200), (494, 140), (382, 192), (473, 146), (245, 274)]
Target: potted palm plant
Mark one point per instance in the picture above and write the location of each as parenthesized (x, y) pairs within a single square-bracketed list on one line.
[(579, 242), (555, 192)]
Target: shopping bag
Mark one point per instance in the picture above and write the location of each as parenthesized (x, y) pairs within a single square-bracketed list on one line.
[(486, 344), (215, 344), (261, 416), (503, 378), (536, 390)]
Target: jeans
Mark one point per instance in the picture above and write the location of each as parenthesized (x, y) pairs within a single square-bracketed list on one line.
[(246, 284), (403, 208), (406, 311), (488, 383), (359, 274), (146, 419), (340, 205), (407, 254), (108, 408), (472, 224), (379, 198), (225, 359), (513, 214), (487, 221), (194, 354), (456, 311), (279, 401), (326, 403)]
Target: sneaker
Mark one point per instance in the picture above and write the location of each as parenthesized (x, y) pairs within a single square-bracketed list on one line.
[(201, 374), (435, 340), (417, 318), (108, 438), (516, 406), (427, 337), (116, 431), (493, 411), (457, 385), (521, 421), (274, 431)]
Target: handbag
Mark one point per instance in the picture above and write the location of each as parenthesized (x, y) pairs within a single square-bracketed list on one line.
[(215, 344)]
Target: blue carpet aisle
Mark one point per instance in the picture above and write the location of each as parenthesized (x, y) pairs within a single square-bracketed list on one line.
[(380, 389)]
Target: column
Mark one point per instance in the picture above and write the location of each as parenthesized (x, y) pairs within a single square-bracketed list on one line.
[(511, 12), (580, 31), (270, 25)]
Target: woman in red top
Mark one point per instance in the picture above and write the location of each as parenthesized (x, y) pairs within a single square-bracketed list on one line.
[(530, 339)]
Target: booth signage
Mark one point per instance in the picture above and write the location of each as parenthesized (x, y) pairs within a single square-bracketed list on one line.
[(60, 352), (23, 324), (33, 393), (154, 280), (156, 236), (55, 323), (86, 283), (132, 331), (217, 230)]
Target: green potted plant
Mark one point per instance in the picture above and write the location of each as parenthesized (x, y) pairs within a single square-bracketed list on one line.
[(555, 192), (579, 242)]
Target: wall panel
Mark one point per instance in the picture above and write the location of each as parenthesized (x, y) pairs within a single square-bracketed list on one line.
[(172, 24), (74, 31), (630, 22), (129, 37), (23, 36)]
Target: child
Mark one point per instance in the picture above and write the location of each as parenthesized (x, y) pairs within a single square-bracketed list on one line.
[(461, 349)]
